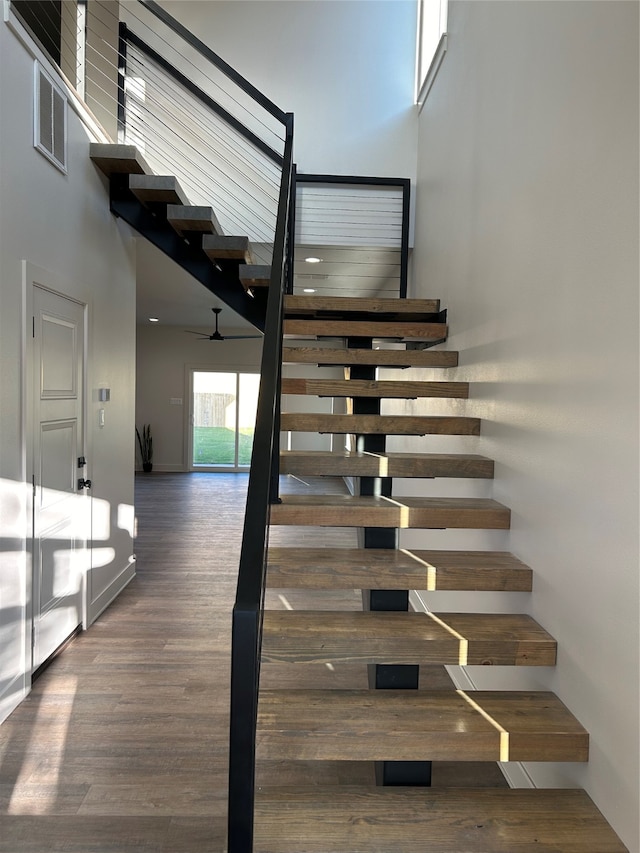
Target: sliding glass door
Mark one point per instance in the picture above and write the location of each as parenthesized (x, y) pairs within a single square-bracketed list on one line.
[(223, 414)]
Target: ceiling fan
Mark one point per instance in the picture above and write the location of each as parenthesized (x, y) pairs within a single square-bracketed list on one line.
[(216, 336)]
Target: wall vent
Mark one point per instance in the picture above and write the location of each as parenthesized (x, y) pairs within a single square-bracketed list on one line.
[(50, 119)]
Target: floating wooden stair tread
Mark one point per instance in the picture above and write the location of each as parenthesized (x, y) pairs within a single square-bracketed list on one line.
[(417, 725), (379, 357), (382, 568), (348, 463), (313, 306), (413, 820), (372, 388), (379, 424), (393, 329), (118, 159), (349, 511), (218, 247), (480, 639), (157, 189), (184, 218), (254, 275)]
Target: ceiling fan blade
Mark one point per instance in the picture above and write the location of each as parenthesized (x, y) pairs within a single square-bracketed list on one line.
[(242, 337), (189, 332)]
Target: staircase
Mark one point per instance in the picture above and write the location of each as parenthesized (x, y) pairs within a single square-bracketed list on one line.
[(395, 723), (158, 208)]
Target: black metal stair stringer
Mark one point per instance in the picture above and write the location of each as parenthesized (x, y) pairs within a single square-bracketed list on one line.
[(188, 255), (384, 676)]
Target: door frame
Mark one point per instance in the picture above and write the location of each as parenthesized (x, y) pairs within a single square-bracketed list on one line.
[(190, 369), (34, 276)]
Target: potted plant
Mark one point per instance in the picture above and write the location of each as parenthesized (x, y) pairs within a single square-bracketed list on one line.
[(145, 442)]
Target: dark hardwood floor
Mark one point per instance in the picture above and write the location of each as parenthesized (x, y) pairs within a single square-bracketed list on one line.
[(121, 747)]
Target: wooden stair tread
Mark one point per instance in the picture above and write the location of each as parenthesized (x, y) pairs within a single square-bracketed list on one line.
[(157, 189), (254, 275), (114, 159), (379, 424), (227, 248), (373, 388), (190, 217), (347, 463), (344, 819), (480, 639), (313, 306), (417, 725), (394, 329), (350, 511), (379, 357), (381, 568)]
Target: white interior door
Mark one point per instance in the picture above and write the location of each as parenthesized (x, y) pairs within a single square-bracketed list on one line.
[(60, 516)]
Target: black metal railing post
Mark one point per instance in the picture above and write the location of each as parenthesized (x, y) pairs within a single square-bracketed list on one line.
[(404, 240), (122, 73), (292, 229), (248, 610)]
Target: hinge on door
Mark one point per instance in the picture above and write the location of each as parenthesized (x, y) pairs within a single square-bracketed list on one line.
[(33, 327), (33, 635), (33, 483)]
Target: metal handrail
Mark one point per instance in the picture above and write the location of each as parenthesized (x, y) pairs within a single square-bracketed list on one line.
[(129, 36), (248, 611), (204, 50)]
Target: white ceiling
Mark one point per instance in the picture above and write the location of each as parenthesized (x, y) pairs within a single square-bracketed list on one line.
[(166, 291)]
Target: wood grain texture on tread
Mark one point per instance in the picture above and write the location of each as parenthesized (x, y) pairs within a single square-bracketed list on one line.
[(313, 305), (393, 329), (413, 820), (474, 639), (417, 725), (157, 189), (381, 568), (379, 357), (379, 424), (348, 463), (184, 217), (254, 275), (216, 247), (366, 388), (350, 511), (118, 159)]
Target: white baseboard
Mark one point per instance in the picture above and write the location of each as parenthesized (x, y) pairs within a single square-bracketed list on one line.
[(13, 694), (165, 469), (100, 604)]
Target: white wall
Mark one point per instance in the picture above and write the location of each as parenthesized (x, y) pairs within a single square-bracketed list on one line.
[(164, 354), (345, 69), (527, 228), (60, 223)]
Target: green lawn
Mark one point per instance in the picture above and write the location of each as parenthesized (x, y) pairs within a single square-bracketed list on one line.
[(215, 446)]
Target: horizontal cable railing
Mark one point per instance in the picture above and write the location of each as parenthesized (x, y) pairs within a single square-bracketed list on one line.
[(194, 117), (155, 85), (352, 236)]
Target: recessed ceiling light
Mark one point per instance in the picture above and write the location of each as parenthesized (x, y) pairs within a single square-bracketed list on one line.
[(313, 260), (153, 320), (309, 290)]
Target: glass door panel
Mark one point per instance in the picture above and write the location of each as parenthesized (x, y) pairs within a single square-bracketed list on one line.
[(247, 407), (224, 409), (214, 418)]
